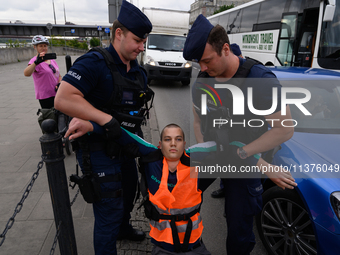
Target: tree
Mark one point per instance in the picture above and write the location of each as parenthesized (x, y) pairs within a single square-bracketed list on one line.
[(94, 42), (224, 8)]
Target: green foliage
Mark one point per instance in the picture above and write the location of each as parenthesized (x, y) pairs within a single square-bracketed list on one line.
[(73, 43), (15, 44), (94, 42), (224, 8), (83, 46)]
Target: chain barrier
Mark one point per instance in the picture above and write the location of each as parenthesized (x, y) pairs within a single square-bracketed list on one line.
[(20, 204), (74, 198), (54, 245)]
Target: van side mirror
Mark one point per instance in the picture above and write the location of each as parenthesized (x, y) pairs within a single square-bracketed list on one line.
[(329, 11)]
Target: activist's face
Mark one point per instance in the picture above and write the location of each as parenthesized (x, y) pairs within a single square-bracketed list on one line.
[(172, 144)]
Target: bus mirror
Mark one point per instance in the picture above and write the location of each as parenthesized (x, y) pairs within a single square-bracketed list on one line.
[(329, 11)]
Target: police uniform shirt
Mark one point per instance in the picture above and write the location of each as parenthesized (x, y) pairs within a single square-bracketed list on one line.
[(92, 77), (262, 92)]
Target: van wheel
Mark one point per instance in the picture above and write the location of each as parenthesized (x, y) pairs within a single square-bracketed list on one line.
[(186, 82), (284, 225)]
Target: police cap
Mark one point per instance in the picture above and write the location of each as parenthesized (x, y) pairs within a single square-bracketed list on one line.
[(134, 20), (236, 49), (197, 39)]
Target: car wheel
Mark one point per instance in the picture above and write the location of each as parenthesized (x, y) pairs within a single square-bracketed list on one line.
[(284, 225)]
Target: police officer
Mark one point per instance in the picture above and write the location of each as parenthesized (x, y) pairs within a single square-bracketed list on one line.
[(94, 92), (210, 47)]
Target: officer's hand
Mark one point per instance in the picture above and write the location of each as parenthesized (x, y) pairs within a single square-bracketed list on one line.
[(78, 128), (39, 58), (113, 130), (280, 176), (131, 150)]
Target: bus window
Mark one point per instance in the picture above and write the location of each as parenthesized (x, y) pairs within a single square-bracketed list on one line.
[(295, 6), (286, 39), (214, 21), (234, 22), (249, 17), (224, 21), (329, 51), (271, 11)]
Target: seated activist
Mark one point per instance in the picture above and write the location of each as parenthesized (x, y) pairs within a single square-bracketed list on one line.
[(173, 187)]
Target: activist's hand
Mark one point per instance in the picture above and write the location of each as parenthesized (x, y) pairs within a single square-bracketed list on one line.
[(280, 177), (113, 130), (40, 58), (78, 128)]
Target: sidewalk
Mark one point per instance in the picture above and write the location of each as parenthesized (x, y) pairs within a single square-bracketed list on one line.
[(34, 228)]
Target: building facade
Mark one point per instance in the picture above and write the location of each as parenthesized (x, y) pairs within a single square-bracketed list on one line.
[(207, 7)]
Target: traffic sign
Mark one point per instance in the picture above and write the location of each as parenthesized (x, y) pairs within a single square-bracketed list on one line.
[(73, 31), (49, 26), (99, 28), (107, 30)]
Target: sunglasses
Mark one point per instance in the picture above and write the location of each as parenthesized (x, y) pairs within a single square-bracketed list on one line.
[(53, 68)]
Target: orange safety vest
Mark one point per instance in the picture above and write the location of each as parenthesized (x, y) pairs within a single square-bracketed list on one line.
[(179, 209)]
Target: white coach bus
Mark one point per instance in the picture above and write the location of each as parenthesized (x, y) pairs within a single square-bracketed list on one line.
[(286, 32)]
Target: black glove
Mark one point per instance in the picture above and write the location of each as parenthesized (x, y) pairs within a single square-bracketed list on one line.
[(131, 150), (38, 60), (112, 129)]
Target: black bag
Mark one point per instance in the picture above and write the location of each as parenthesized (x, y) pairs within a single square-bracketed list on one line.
[(45, 114)]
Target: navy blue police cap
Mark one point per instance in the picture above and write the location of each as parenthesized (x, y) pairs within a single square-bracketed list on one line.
[(197, 39), (134, 20), (236, 49)]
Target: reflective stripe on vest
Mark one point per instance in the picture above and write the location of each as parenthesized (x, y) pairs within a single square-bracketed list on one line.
[(183, 199), (181, 228)]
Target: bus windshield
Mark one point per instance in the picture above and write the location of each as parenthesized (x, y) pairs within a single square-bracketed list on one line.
[(330, 36)]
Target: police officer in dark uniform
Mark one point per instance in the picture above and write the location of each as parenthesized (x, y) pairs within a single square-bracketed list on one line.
[(210, 47), (94, 92)]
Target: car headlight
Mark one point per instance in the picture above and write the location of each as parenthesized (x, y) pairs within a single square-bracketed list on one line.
[(150, 61), (187, 65), (335, 201)]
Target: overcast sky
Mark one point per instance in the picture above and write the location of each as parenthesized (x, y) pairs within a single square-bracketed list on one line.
[(89, 12)]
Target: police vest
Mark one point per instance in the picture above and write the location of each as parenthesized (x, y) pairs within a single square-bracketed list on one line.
[(222, 108), (128, 101), (174, 216)]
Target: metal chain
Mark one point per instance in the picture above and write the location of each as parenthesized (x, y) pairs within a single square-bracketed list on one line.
[(20, 204), (58, 230), (75, 198), (54, 245)]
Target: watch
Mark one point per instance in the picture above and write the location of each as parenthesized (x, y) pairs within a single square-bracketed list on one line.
[(242, 153)]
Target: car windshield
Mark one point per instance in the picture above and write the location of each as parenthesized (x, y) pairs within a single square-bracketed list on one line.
[(166, 42), (324, 107)]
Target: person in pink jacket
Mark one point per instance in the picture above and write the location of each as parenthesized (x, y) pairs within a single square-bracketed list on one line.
[(46, 75)]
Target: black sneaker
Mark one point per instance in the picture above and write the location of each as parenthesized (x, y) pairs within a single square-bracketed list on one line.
[(217, 193), (133, 235)]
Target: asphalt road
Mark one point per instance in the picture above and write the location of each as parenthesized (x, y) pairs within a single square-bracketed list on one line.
[(173, 105)]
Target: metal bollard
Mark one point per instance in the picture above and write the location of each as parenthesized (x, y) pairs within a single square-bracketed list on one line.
[(53, 156)]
